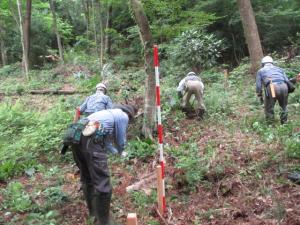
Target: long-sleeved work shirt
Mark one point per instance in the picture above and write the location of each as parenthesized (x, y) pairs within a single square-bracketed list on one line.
[(96, 102), (115, 122), (182, 84), (267, 73)]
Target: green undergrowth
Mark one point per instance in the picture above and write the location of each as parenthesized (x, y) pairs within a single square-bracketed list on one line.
[(39, 203), (26, 135), (14, 82), (30, 139)]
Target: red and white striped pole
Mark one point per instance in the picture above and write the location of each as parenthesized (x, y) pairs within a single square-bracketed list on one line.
[(159, 127)]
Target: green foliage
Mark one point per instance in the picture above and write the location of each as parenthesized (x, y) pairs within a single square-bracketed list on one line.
[(16, 199), (10, 70), (54, 197), (169, 18), (284, 134), (25, 134), (218, 101), (193, 167), (212, 76), (140, 149), (195, 48), (141, 200), (49, 218)]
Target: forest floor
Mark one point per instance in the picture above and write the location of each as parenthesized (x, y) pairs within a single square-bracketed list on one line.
[(240, 177)]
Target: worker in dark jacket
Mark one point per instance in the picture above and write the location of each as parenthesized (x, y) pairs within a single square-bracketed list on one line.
[(271, 77), (96, 102), (91, 157)]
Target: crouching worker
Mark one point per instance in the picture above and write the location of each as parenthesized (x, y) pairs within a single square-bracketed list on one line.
[(96, 102), (101, 129), (188, 86), (276, 87)]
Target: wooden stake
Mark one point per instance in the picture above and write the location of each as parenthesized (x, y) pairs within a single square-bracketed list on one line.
[(226, 74), (159, 190), (272, 90), (131, 219)]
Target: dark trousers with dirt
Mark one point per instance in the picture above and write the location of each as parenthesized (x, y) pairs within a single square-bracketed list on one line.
[(91, 159), (281, 95)]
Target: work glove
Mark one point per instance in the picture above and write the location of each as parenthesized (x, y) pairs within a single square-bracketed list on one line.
[(124, 154), (298, 78)]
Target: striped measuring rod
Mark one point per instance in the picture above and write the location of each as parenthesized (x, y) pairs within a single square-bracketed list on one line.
[(159, 124)]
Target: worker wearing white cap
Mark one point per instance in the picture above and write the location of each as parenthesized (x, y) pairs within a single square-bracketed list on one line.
[(276, 86), (96, 102), (188, 86)]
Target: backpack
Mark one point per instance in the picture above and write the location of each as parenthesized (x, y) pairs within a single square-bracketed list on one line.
[(73, 133)]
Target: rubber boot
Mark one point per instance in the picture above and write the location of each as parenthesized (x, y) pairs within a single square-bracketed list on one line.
[(88, 192), (101, 204)]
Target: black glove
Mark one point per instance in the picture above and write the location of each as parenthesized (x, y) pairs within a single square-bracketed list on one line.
[(64, 149), (261, 100), (179, 94)]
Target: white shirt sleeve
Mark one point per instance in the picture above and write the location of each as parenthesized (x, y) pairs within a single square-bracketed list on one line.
[(181, 85)]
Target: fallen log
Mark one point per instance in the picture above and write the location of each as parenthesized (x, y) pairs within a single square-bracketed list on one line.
[(145, 183), (55, 92)]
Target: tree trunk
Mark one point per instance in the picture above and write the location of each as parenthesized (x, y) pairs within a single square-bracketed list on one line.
[(146, 39), (2, 47), (3, 53), (26, 28), (108, 25), (60, 48), (25, 50), (101, 50), (87, 17), (96, 16), (251, 34)]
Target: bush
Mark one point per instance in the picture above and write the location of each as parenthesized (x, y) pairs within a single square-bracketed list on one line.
[(10, 70), (195, 47)]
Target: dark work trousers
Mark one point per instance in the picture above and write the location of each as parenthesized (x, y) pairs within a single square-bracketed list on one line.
[(281, 92), (91, 159)]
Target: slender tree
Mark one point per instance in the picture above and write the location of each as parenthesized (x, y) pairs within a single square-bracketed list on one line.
[(27, 28), (94, 24), (2, 46), (146, 39), (58, 38), (108, 25), (23, 41), (251, 33), (86, 9), (98, 17)]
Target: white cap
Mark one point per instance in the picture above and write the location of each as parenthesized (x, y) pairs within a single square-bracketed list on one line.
[(267, 59), (101, 86), (191, 74)]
